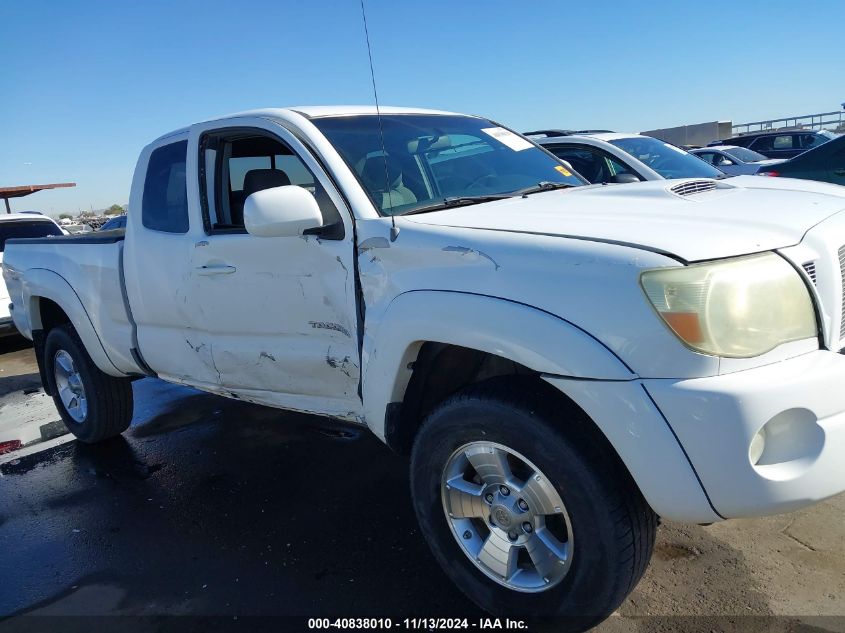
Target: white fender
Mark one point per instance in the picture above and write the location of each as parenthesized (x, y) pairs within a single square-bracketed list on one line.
[(534, 338), (40, 282)]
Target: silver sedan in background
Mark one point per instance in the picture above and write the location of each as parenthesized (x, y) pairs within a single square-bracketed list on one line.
[(736, 161)]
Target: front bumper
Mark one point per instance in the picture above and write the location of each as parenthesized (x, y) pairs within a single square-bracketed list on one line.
[(801, 403)]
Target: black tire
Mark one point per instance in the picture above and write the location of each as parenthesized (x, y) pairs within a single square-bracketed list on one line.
[(109, 399), (612, 525)]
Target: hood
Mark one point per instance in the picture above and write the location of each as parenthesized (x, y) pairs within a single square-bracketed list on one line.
[(743, 215)]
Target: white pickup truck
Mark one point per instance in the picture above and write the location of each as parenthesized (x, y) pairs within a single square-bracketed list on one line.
[(564, 363)]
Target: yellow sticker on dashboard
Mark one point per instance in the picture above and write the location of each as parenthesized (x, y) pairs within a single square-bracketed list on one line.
[(563, 170)]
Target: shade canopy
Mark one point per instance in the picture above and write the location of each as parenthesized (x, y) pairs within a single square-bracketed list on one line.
[(20, 191)]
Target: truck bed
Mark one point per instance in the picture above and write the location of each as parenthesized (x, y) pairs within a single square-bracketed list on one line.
[(90, 267), (96, 237)]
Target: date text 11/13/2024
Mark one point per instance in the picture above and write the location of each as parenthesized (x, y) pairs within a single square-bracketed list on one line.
[(415, 624)]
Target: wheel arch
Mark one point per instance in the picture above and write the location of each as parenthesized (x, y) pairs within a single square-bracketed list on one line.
[(426, 333), (461, 338), (51, 301)]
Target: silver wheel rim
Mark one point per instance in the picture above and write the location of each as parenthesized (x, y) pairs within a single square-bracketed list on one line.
[(70, 386), (507, 517)]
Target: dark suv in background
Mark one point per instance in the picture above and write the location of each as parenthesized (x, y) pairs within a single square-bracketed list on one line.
[(780, 143)]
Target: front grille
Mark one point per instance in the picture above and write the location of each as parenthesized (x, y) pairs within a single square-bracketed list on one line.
[(842, 276), (692, 187), (810, 269)]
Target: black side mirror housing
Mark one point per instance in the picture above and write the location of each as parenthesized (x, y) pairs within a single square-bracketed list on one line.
[(621, 179)]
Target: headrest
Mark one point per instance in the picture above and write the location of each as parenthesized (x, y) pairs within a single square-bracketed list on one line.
[(427, 143), (373, 172), (261, 179)]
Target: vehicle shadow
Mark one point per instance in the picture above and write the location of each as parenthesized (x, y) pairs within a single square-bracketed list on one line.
[(214, 507), (18, 371)]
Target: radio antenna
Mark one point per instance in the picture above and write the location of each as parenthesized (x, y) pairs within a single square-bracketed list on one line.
[(394, 232)]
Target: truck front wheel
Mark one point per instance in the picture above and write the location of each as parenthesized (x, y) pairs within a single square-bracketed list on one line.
[(525, 508), (93, 405)]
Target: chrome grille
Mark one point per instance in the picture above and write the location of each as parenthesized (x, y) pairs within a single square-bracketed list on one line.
[(692, 187), (842, 276), (810, 269)]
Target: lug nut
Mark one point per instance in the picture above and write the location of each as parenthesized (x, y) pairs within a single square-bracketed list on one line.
[(504, 490), (512, 536), (488, 498), (522, 505), (527, 527)]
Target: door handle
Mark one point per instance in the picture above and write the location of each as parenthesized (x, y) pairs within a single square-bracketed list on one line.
[(220, 269), (839, 172)]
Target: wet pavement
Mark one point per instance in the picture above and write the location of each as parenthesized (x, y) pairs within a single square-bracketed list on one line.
[(214, 507)]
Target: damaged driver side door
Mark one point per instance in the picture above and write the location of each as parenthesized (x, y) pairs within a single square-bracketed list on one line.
[(275, 317)]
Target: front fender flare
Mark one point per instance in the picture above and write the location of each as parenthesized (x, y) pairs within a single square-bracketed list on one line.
[(536, 339)]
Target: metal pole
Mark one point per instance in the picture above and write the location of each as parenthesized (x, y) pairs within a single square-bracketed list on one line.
[(8, 208)]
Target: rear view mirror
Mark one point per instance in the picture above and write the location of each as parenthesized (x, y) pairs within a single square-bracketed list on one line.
[(624, 178), (285, 211)]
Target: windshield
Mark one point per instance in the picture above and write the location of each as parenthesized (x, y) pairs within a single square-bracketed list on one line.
[(428, 158), (744, 155), (26, 228), (667, 160)]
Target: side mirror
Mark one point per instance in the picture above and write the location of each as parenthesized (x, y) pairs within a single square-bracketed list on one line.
[(285, 211), (624, 179)]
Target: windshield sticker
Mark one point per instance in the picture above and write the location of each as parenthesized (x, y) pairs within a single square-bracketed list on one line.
[(506, 137), (563, 170)]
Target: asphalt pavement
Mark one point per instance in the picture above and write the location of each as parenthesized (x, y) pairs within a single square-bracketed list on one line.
[(217, 508)]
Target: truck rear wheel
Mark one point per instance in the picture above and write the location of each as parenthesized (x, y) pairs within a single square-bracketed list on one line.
[(526, 509), (93, 405)]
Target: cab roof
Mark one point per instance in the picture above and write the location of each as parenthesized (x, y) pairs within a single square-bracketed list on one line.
[(314, 112)]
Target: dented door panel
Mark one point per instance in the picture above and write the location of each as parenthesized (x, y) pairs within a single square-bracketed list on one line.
[(281, 321)]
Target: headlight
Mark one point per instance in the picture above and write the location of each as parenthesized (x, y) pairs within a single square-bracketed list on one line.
[(736, 308)]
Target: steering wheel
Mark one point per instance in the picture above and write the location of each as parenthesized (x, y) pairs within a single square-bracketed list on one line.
[(477, 181)]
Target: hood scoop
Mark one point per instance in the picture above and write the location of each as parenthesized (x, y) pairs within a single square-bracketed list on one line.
[(693, 187)]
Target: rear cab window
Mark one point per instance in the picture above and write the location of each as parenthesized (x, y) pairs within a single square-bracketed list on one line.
[(165, 200), (14, 229)]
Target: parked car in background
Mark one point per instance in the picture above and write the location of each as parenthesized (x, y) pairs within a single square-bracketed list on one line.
[(615, 157), (779, 144), (29, 224), (115, 223), (736, 161), (76, 228), (825, 162)]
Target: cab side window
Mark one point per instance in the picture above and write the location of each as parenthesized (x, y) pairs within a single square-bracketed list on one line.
[(164, 205), (235, 166)]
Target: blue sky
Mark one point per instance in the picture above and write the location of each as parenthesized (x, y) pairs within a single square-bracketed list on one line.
[(85, 84)]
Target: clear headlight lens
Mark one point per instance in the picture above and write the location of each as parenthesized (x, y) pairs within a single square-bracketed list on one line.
[(736, 308)]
